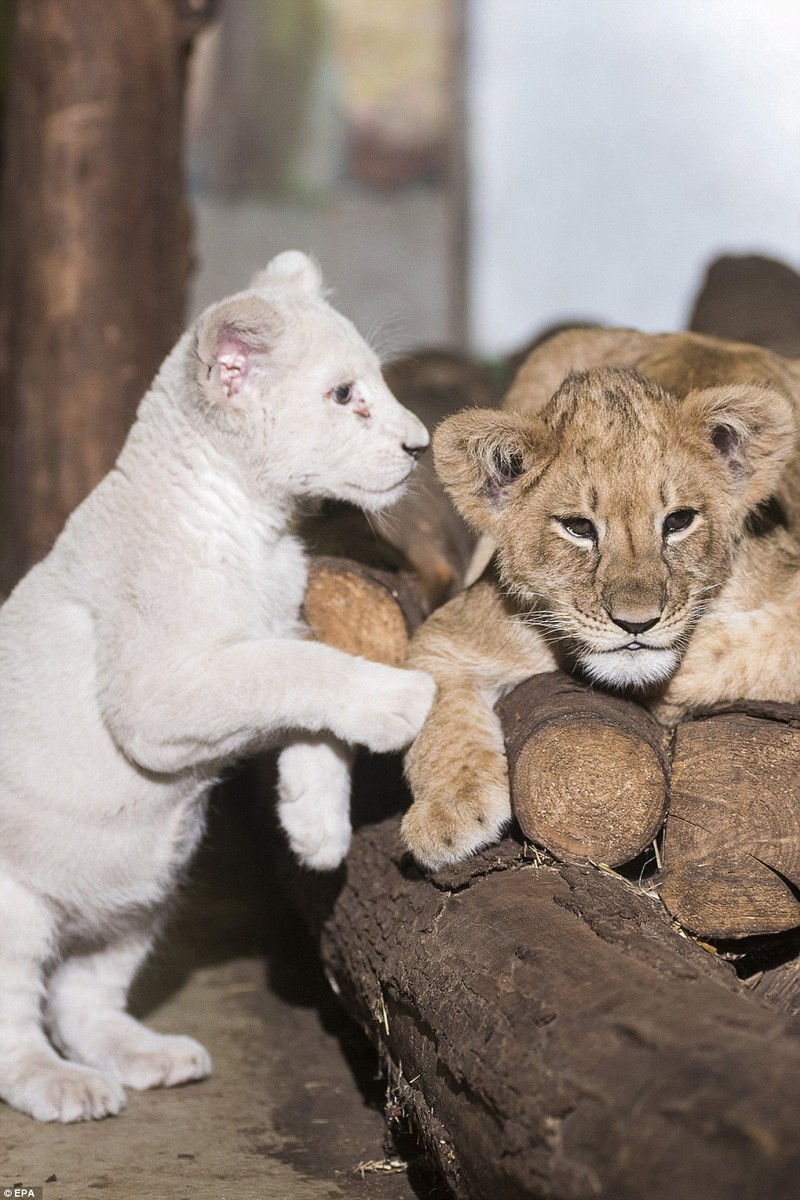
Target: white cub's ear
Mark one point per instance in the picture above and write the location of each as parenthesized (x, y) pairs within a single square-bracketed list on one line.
[(752, 429), (234, 341), (480, 454), (293, 269)]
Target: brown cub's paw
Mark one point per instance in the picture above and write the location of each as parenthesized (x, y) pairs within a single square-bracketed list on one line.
[(459, 820)]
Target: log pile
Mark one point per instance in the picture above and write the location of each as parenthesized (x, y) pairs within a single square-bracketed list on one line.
[(590, 773), (547, 1024), (593, 776)]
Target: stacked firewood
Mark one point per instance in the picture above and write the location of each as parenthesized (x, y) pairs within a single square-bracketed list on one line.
[(545, 1020), (594, 778)]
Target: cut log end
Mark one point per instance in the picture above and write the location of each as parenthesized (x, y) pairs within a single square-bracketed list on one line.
[(592, 794), (361, 611), (732, 847), (727, 895), (588, 771)]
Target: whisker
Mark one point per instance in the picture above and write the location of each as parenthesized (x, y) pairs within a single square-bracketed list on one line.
[(389, 337)]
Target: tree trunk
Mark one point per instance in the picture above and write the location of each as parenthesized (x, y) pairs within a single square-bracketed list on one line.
[(550, 1033), (95, 246)]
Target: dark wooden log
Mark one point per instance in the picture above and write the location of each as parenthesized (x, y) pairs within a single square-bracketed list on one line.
[(750, 298), (424, 525), (732, 847), (775, 977), (549, 1032), (95, 247), (588, 770)]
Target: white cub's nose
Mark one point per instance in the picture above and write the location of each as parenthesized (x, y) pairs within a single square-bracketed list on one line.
[(416, 438)]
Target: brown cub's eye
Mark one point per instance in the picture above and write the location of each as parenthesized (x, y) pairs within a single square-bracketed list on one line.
[(679, 520), (580, 527), (343, 394)]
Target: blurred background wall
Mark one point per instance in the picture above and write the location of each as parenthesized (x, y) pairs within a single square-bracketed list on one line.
[(470, 171), (616, 146), (324, 125)]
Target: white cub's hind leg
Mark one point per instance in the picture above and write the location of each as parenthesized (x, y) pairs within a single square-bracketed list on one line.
[(314, 800), (33, 1078), (86, 1006)]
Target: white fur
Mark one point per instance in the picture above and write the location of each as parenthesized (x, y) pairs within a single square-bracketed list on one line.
[(629, 668), (158, 641)]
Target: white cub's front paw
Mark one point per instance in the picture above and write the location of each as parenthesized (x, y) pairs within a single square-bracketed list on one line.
[(320, 842), (314, 801), (65, 1092), (164, 1062), (391, 710)]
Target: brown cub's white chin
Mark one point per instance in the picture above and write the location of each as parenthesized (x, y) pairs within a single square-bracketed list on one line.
[(636, 666)]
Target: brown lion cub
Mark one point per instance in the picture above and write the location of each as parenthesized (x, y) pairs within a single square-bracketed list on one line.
[(639, 498)]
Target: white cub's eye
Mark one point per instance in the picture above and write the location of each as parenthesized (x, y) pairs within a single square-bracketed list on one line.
[(342, 394), (579, 527), (678, 521)]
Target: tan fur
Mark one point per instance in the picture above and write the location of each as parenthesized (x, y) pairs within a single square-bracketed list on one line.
[(605, 436)]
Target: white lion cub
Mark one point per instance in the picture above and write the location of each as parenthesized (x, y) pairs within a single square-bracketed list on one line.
[(158, 641)]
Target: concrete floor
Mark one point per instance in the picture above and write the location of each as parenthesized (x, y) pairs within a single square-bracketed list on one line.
[(293, 1108)]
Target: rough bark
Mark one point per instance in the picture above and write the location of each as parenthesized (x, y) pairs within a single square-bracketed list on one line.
[(732, 848), (588, 771), (95, 246), (776, 977), (551, 1034)]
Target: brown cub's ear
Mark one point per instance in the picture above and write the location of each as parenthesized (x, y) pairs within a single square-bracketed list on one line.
[(753, 430), (480, 454), (234, 340)]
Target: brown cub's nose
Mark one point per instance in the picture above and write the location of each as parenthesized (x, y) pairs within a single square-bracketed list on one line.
[(634, 627), (415, 451)]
